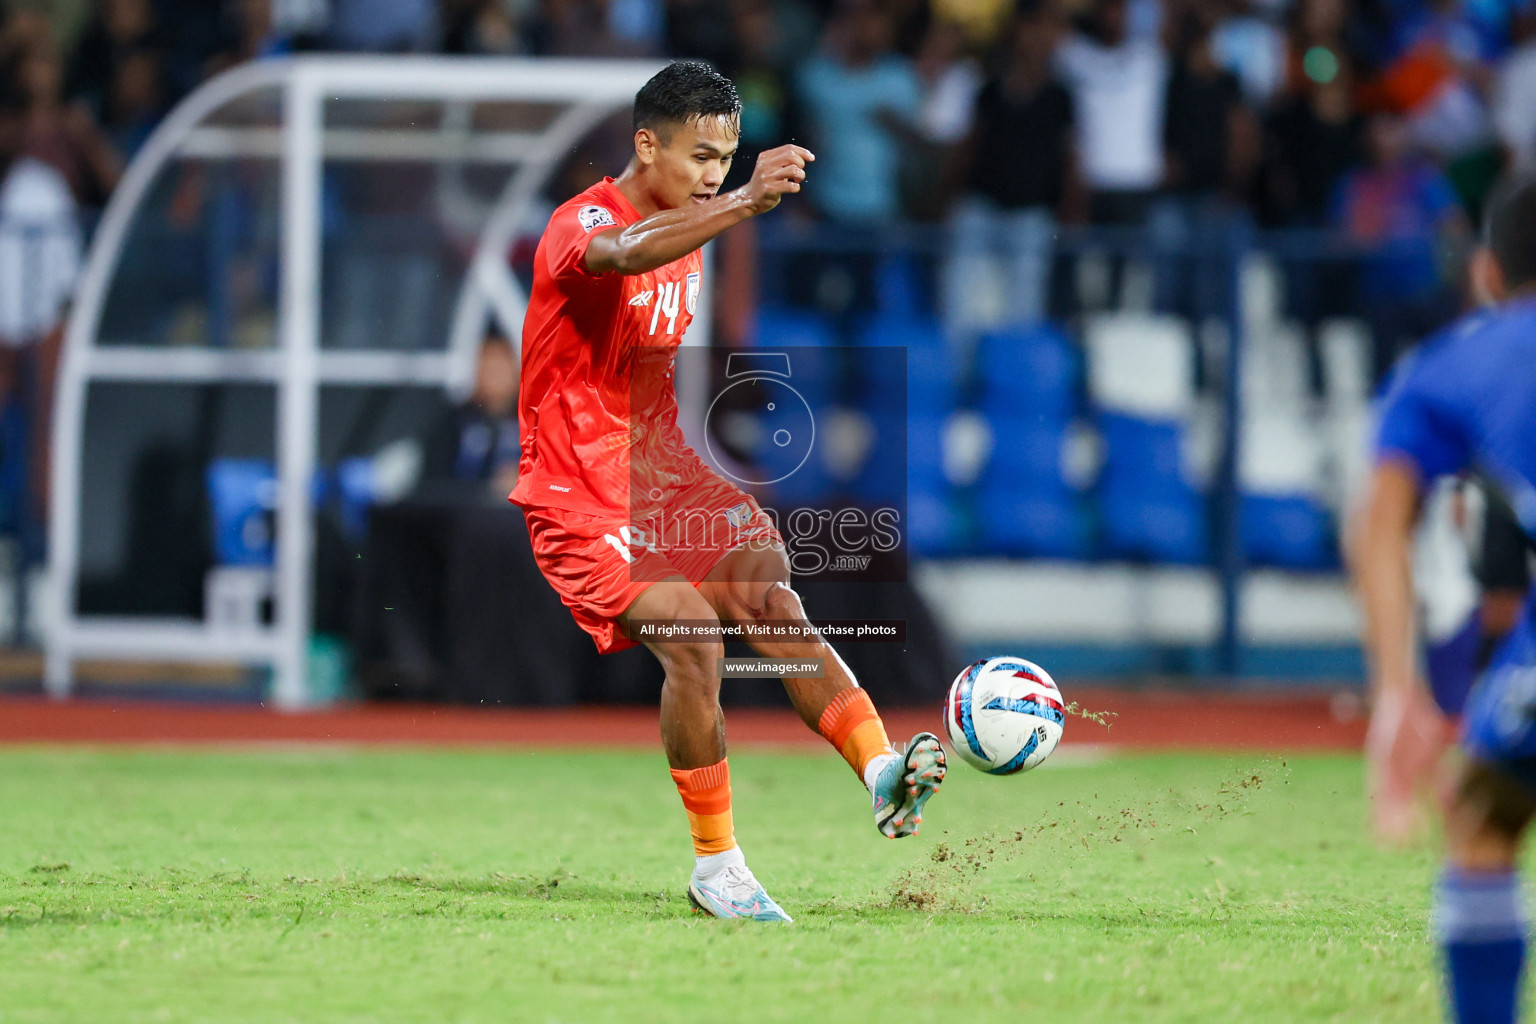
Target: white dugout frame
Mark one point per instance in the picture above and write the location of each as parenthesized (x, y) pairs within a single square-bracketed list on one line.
[(296, 366)]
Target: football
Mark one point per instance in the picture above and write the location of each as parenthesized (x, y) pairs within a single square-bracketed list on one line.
[(1004, 715)]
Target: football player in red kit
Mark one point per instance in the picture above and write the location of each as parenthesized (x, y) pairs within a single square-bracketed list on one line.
[(608, 483)]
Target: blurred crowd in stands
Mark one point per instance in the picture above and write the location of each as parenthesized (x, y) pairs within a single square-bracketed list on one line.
[(1379, 116), (991, 123), (1384, 119)]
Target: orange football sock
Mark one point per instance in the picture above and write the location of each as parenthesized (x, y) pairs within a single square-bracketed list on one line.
[(706, 794), (852, 725)]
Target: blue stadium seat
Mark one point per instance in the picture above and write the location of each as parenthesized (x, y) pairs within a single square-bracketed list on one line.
[(355, 486), (811, 341), (1147, 509), (1034, 522), (931, 383), (1289, 531), (900, 290), (901, 331), (793, 486), (906, 453), (919, 380), (883, 378), (927, 374), (933, 516), (1026, 453), (243, 494), (1024, 503), (801, 328), (1138, 451), (924, 449), (932, 527), (1161, 524), (1032, 371)]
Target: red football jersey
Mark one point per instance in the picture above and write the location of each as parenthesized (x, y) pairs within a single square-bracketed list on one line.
[(597, 400)]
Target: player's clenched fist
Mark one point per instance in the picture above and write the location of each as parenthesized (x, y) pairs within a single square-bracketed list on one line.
[(778, 171)]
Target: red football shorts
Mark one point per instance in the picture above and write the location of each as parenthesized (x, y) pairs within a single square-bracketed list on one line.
[(600, 564)]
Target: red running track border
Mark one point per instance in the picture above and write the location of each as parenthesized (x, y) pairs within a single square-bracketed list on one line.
[(1158, 719)]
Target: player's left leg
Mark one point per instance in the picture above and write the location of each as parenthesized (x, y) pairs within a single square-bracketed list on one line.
[(1480, 917), (693, 733), (613, 590), (750, 585)]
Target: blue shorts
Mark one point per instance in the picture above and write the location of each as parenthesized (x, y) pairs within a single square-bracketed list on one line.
[(1500, 723), (1451, 665)]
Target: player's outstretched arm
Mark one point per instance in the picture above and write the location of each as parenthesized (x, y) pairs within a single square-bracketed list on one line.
[(672, 234), (1407, 731)]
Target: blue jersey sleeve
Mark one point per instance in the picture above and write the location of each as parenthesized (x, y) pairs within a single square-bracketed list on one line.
[(1415, 427)]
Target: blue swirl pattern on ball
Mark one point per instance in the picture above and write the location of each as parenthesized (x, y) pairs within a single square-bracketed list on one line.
[(1018, 759), (967, 722), (1026, 707)]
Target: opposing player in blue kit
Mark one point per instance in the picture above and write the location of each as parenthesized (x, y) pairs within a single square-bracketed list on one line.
[(1465, 400)]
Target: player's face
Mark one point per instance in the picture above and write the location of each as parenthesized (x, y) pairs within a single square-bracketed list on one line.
[(688, 162)]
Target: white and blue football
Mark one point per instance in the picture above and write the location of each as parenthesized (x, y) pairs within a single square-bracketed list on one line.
[(1004, 715)]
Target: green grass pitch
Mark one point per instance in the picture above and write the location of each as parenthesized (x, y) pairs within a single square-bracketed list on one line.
[(450, 886)]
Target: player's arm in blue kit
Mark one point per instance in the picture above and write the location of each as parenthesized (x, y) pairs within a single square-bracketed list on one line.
[(1416, 442), (1420, 436)]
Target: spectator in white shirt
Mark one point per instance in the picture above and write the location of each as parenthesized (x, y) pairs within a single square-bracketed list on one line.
[(1118, 80), (39, 251), (1514, 97), (39, 261), (1118, 85)]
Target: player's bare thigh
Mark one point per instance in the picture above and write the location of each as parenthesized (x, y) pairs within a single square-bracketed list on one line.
[(751, 584), (692, 728), (674, 600), (739, 587), (668, 600)]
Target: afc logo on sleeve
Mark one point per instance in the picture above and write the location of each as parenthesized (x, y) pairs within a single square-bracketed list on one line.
[(594, 217)]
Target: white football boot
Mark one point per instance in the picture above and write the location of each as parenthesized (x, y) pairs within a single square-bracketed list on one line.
[(731, 891)]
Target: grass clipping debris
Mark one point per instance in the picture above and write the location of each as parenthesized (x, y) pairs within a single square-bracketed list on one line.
[(948, 883)]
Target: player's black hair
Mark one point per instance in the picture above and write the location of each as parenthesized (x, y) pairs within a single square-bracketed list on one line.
[(685, 91), (1509, 229)]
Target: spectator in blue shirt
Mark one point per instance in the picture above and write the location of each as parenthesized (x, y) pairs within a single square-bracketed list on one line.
[(1404, 212), (853, 92), (475, 445)]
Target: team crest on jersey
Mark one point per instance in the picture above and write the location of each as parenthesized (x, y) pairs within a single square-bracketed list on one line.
[(737, 515), (691, 296), (594, 217)]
